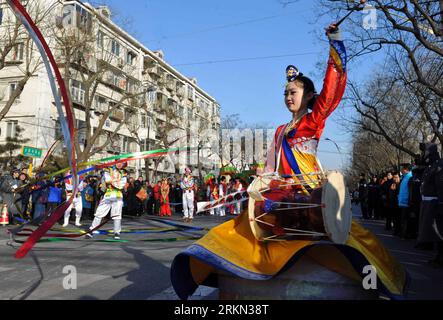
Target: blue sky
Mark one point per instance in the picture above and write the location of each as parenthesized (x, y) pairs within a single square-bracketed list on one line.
[(196, 31)]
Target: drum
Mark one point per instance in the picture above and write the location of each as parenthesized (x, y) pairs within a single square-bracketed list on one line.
[(279, 209)]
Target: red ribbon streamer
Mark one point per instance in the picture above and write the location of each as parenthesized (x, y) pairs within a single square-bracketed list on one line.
[(47, 224)]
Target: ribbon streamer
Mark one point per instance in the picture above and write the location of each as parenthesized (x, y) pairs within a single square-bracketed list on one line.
[(46, 54)]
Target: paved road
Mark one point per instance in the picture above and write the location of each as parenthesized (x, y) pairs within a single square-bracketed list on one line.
[(426, 280), (140, 270), (106, 270)]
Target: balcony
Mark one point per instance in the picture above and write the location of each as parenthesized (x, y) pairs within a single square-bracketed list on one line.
[(78, 95)]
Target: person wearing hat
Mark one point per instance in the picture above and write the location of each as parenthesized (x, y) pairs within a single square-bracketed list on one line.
[(8, 184), (232, 248), (25, 195), (115, 180), (188, 185)]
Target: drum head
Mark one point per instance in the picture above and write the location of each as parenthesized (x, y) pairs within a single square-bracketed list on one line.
[(337, 214), (259, 183)]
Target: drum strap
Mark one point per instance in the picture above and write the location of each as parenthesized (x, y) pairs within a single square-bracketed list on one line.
[(279, 146)]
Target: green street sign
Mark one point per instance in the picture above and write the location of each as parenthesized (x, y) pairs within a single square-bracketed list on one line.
[(32, 152)]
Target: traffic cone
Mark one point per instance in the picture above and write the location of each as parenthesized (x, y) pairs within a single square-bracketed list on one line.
[(4, 218)]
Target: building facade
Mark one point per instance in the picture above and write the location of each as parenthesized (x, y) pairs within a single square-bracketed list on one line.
[(124, 95)]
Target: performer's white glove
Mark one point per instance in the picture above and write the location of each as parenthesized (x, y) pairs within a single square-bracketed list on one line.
[(333, 33)]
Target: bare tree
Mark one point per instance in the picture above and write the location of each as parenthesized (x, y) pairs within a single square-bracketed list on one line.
[(401, 104), (412, 29), (91, 65)]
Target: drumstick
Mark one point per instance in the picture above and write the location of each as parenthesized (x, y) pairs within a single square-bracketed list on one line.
[(356, 7)]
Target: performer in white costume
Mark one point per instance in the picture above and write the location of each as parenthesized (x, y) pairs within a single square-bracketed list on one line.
[(237, 188), (222, 191), (188, 185), (115, 179), (76, 203)]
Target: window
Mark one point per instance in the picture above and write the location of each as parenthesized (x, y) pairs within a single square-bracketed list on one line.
[(100, 39), (146, 122), (83, 17), (1, 15), (132, 86), (12, 87), (77, 91), (150, 96), (143, 119), (101, 104), (190, 93), (126, 143), (81, 133), (68, 16), (131, 58), (116, 79), (115, 48), (17, 52), (11, 129)]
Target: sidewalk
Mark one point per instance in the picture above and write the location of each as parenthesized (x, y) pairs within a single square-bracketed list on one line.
[(426, 280)]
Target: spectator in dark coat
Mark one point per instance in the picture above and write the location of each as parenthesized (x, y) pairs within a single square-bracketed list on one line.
[(386, 202), (393, 207), (373, 199), (151, 200), (363, 196), (133, 203)]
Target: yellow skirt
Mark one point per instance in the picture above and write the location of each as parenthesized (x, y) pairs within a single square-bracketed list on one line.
[(231, 247)]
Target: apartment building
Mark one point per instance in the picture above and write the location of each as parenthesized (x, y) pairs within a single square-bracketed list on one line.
[(118, 87)]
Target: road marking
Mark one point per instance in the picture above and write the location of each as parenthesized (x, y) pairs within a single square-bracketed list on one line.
[(412, 252), (417, 276), (412, 264), (169, 294)]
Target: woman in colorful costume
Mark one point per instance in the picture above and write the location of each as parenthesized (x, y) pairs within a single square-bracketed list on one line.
[(232, 247), (165, 209)]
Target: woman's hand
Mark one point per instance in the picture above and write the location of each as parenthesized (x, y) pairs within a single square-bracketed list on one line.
[(333, 32)]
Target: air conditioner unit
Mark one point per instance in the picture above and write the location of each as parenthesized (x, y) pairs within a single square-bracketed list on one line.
[(118, 114)]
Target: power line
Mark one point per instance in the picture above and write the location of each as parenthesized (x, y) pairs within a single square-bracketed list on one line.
[(230, 25), (218, 27), (244, 59)]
